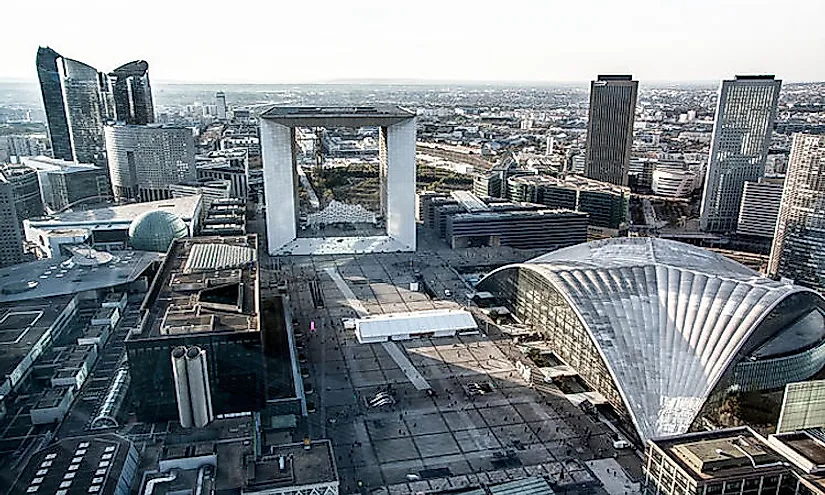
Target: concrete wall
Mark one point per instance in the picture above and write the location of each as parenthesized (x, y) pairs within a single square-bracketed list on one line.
[(279, 184), (400, 182)]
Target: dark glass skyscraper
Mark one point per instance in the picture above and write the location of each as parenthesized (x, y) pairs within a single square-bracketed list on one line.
[(52, 91), (132, 93), (84, 96), (610, 128), (78, 102)]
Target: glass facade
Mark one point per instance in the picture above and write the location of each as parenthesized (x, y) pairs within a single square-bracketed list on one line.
[(538, 304), (651, 352), (741, 137), (799, 244), (86, 110), (133, 93), (610, 128), (52, 92)]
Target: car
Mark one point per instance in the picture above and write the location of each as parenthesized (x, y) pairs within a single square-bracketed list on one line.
[(621, 444), (448, 293)]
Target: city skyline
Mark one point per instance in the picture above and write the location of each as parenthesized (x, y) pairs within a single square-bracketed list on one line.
[(653, 41)]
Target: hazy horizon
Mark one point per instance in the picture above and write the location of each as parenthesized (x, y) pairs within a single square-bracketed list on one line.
[(485, 42)]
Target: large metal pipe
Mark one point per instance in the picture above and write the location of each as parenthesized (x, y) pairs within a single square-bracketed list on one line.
[(199, 393), (182, 392)]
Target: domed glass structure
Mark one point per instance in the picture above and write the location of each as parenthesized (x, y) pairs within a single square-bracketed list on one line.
[(155, 230)]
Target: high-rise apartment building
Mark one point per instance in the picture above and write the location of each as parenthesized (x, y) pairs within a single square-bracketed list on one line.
[(133, 93), (77, 101), (145, 160), (798, 250), (610, 128), (745, 115)]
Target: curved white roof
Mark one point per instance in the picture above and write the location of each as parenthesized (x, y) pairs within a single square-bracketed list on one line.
[(667, 318)]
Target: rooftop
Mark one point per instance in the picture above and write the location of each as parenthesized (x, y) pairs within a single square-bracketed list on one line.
[(572, 181), (121, 216), (78, 466), (302, 466), (721, 453), (337, 116), (69, 275), (206, 284), (22, 325), (55, 165)]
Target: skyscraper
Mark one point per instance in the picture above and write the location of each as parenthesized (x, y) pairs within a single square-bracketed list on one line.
[(28, 202), (11, 232), (220, 100), (145, 160), (133, 93), (86, 109), (76, 100), (52, 91), (739, 148), (798, 249), (610, 128)]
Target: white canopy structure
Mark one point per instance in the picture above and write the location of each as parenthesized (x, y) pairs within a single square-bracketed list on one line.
[(405, 326), (657, 325)]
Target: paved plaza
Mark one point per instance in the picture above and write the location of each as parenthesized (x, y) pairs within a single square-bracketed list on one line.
[(437, 439)]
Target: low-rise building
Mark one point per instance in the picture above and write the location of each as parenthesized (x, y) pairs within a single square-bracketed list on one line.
[(606, 204), (103, 464), (104, 228)]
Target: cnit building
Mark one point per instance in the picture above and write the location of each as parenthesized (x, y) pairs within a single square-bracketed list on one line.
[(665, 330)]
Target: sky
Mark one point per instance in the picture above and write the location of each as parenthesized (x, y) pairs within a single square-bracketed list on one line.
[(276, 41)]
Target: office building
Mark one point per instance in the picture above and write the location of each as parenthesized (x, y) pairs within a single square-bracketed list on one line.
[(11, 232), (64, 183), (531, 229), (226, 165), (145, 160), (600, 307), (206, 295), (51, 88), (465, 220), (798, 251), (132, 93), (42, 321), (673, 180), (84, 92), (760, 207), (220, 102), (396, 177), (606, 204), (209, 189), (225, 217), (493, 183), (15, 147), (610, 128), (723, 462), (736, 461), (25, 189), (742, 130)]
